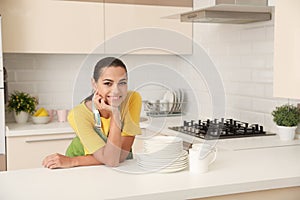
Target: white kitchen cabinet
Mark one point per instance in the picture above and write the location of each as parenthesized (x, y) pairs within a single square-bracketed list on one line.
[(29, 151), (125, 19), (183, 3), (287, 49), (47, 26)]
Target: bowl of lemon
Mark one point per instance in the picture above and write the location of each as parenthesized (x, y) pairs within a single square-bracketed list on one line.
[(41, 116)]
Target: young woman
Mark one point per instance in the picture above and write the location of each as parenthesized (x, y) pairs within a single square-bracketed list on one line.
[(105, 122)]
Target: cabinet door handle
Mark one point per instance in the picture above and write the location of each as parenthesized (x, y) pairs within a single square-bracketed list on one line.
[(49, 140), (192, 16)]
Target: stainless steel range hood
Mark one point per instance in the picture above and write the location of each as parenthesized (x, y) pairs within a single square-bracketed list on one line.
[(229, 11)]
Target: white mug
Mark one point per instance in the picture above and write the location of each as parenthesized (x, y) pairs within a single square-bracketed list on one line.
[(200, 157)]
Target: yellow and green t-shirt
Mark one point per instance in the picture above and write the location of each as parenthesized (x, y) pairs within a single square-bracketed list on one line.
[(82, 121)]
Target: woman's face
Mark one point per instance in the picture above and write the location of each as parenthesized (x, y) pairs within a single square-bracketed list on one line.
[(112, 85)]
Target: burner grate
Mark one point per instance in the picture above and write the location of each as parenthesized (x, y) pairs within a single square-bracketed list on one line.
[(222, 129)]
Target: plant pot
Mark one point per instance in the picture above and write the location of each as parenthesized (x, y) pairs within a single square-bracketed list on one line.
[(286, 133), (22, 117)]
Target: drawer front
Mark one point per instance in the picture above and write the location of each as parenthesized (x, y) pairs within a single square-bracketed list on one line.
[(29, 152)]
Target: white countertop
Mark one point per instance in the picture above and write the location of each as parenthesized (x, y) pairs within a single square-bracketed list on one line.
[(242, 165), (232, 172), (14, 129)]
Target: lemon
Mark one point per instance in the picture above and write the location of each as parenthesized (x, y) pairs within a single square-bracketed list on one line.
[(41, 112)]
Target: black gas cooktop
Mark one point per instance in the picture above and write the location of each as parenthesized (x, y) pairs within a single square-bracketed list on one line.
[(220, 129)]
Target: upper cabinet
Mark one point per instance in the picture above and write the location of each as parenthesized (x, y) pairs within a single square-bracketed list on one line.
[(130, 26), (56, 26), (179, 3), (35, 26), (287, 49)]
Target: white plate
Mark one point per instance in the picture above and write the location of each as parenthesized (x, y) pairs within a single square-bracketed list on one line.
[(162, 162), (163, 151), (162, 147), (173, 107), (162, 166), (169, 97), (181, 99), (164, 139), (169, 155), (165, 170), (178, 101), (162, 155)]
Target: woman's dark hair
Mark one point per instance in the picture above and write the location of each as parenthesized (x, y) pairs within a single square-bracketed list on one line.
[(107, 62), (99, 67)]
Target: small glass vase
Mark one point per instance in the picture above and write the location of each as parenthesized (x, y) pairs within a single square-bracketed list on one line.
[(22, 117)]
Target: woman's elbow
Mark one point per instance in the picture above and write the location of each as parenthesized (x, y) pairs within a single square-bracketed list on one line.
[(108, 161), (112, 163)]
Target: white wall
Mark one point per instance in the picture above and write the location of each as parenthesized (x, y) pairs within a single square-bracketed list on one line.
[(243, 55)]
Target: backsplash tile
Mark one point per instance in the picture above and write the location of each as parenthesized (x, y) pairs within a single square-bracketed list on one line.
[(255, 61), (263, 47), (262, 76), (240, 48), (253, 35)]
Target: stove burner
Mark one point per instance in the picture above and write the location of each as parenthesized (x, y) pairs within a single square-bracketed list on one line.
[(214, 129)]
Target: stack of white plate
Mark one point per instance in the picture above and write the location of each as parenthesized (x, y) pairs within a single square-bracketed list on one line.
[(163, 154)]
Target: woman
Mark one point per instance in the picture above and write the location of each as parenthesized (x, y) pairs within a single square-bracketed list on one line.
[(105, 122)]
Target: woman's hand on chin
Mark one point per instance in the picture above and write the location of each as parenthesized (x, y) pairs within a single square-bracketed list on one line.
[(101, 105)]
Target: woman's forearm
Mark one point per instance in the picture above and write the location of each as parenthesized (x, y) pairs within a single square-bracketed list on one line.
[(57, 160), (110, 153), (85, 161)]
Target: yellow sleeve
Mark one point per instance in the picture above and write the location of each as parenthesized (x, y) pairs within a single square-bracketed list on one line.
[(82, 121), (131, 114)]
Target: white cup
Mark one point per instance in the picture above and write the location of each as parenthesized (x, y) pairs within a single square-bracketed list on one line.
[(200, 157)]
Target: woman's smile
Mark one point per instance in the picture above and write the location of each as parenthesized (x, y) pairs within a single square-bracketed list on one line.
[(112, 85), (114, 98)]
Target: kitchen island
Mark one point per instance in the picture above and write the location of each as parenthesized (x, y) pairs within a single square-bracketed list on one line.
[(242, 171)]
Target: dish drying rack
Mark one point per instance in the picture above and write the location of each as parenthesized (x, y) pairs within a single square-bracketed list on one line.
[(163, 109)]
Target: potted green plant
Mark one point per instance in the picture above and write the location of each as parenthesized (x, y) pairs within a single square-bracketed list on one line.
[(22, 104), (286, 118)]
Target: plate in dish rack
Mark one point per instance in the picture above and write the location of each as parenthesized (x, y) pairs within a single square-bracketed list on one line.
[(173, 103), (181, 100), (169, 98), (178, 101)]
